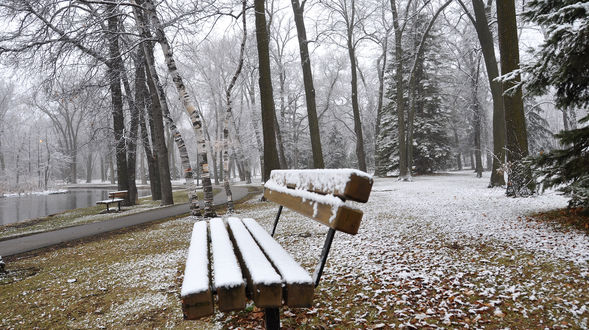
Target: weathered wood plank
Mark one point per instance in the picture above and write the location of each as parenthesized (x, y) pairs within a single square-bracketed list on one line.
[(327, 210), (264, 285), (298, 289), (118, 194), (228, 277), (196, 293), (347, 184)]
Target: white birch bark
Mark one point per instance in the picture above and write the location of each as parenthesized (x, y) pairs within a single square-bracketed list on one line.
[(202, 143), (228, 113), (182, 150)]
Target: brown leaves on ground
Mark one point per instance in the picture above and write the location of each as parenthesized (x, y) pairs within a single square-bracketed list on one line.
[(576, 217)]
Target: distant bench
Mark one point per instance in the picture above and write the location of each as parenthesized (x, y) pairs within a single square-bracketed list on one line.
[(114, 197), (247, 262)]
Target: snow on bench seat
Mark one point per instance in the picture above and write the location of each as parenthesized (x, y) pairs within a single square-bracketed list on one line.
[(110, 201), (264, 284), (327, 209), (228, 278), (344, 183), (197, 297), (298, 283)]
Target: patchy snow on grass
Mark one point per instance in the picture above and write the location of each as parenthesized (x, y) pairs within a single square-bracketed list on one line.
[(444, 250)]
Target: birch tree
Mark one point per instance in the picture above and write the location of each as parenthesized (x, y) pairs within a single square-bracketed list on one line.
[(185, 98), (228, 113)]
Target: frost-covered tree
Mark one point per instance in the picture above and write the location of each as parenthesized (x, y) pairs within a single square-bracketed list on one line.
[(561, 63)]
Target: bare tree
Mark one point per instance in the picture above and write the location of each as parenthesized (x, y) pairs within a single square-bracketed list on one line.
[(299, 9)]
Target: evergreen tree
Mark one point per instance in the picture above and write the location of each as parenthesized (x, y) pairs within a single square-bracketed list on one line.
[(336, 157), (568, 167), (431, 143), (561, 63)]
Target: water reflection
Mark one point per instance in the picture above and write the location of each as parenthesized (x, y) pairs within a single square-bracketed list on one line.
[(16, 209)]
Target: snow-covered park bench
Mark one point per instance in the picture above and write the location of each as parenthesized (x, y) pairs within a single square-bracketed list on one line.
[(114, 197), (236, 258)]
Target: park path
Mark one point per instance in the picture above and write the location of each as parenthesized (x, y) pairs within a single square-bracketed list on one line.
[(45, 239)]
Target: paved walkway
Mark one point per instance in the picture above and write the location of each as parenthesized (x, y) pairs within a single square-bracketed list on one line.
[(41, 240)]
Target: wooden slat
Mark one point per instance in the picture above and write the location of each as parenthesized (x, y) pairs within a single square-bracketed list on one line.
[(357, 187), (298, 285), (264, 285), (228, 278), (196, 293), (120, 194), (340, 218)]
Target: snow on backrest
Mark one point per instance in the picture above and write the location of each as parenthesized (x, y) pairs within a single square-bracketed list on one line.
[(325, 181)]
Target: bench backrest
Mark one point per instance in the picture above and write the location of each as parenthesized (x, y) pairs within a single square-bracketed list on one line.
[(118, 194), (321, 195)]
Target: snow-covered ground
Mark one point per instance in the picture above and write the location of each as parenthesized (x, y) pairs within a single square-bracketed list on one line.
[(442, 251), (447, 250), (38, 193)]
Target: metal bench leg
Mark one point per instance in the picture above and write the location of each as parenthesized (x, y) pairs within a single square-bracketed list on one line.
[(324, 253), (107, 208), (119, 206), (276, 221), (272, 318)]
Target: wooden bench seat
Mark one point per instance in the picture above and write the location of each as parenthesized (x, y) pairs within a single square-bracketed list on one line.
[(236, 259), (240, 249), (114, 197), (111, 201)]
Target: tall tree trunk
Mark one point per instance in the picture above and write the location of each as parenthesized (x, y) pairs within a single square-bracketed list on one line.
[(520, 180), (228, 113), (102, 169), (487, 47), (255, 123), (476, 109), (399, 95), (111, 166), (271, 161), (114, 76), (184, 96), (298, 10), (381, 65), (160, 97), (152, 169), (132, 138), (89, 167), (360, 154)]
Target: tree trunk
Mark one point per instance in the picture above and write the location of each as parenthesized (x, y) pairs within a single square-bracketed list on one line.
[(520, 180), (298, 10), (152, 169), (271, 161), (228, 113), (399, 96), (488, 49), (114, 76), (360, 154), (131, 138), (476, 109), (190, 109), (89, 167), (160, 97)]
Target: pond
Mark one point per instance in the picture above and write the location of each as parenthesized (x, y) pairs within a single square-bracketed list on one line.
[(17, 209)]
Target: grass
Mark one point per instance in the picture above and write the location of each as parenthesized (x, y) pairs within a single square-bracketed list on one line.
[(84, 215)]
